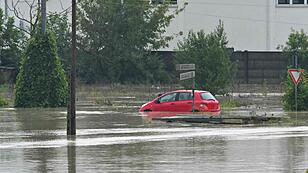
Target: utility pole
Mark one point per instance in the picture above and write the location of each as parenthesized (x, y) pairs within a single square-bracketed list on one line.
[(6, 7), (295, 86), (43, 16), (71, 117)]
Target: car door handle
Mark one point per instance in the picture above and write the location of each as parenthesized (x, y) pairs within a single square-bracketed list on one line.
[(189, 102), (171, 103)]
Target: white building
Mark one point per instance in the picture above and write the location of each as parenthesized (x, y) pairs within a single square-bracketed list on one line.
[(249, 24)]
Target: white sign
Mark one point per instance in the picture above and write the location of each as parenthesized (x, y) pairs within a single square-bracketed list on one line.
[(187, 75), (185, 67), (296, 75)]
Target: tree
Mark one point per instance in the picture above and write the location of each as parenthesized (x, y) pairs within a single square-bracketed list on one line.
[(12, 42), (297, 45), (31, 25), (209, 53), (31, 19), (41, 81), (58, 24), (118, 38)]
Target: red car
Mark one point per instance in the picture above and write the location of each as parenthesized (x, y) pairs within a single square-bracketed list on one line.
[(182, 101)]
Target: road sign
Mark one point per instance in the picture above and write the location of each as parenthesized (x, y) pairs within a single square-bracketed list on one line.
[(187, 75), (296, 75), (185, 67)]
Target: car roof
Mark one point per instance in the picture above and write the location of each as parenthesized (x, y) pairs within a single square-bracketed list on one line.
[(187, 91)]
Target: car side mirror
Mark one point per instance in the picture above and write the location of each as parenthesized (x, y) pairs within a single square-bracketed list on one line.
[(157, 101)]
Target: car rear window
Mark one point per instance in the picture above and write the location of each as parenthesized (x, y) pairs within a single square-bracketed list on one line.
[(207, 96)]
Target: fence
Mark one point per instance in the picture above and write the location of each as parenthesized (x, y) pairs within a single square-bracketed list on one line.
[(260, 67)]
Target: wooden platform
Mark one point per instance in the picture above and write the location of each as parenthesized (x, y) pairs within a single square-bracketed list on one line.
[(220, 120)]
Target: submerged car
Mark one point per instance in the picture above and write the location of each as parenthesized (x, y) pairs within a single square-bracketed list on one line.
[(182, 101)]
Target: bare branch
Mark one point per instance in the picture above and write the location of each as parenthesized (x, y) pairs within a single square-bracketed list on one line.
[(33, 19), (16, 12), (66, 10)]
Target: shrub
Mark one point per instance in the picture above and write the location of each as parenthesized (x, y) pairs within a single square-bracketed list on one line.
[(302, 94), (297, 45), (41, 81), (209, 53), (3, 102)]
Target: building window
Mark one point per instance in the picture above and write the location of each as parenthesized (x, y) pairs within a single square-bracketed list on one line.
[(283, 1), (298, 1), (171, 2)]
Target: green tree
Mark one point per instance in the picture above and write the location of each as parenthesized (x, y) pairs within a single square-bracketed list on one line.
[(12, 42), (41, 81), (209, 53), (297, 45), (118, 38), (58, 24)]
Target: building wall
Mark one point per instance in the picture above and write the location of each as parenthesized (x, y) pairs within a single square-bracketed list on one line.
[(249, 24)]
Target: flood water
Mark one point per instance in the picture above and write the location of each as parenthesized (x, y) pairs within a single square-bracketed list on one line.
[(34, 140)]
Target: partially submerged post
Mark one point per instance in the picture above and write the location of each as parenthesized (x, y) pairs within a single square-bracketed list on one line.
[(71, 117), (188, 75)]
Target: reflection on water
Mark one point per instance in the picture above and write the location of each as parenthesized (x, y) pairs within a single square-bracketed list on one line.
[(34, 140), (71, 155)]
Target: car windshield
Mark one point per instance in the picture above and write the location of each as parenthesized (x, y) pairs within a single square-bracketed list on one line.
[(207, 96)]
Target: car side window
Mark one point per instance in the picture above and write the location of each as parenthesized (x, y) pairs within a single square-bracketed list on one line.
[(168, 98), (185, 96)]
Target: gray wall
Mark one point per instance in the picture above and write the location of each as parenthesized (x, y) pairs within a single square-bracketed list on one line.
[(256, 67), (253, 67)]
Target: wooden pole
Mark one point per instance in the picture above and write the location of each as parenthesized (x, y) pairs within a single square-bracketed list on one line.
[(6, 9), (71, 118), (43, 16)]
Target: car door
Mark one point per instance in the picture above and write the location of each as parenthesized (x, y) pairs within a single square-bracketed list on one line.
[(184, 103), (166, 103)]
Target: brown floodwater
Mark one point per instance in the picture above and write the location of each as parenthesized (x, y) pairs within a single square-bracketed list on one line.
[(118, 139)]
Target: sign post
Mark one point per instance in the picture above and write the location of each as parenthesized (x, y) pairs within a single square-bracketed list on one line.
[(188, 75), (180, 67), (296, 75)]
